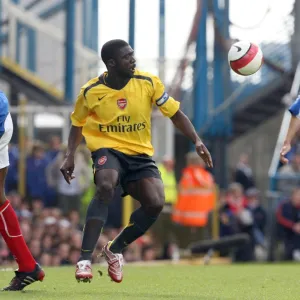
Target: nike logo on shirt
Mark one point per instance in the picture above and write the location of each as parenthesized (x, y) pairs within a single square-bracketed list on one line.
[(101, 97)]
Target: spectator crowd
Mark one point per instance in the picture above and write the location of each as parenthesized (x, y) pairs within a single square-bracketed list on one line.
[(52, 212)]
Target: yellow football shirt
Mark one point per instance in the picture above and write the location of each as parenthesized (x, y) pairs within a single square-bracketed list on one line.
[(121, 119)]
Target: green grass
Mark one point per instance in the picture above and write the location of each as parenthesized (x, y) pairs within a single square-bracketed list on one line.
[(241, 282)]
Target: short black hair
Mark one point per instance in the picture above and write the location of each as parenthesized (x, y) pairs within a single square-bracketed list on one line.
[(110, 48)]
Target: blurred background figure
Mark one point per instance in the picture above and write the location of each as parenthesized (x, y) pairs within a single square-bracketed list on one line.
[(11, 183), (235, 198), (237, 217), (163, 237), (288, 217), (69, 196), (54, 147), (196, 198), (36, 165), (259, 215), (243, 173), (290, 173)]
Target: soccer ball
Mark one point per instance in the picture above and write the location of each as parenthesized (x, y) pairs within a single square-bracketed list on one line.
[(245, 58)]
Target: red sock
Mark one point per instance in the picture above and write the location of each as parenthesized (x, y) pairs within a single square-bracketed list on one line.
[(11, 233)]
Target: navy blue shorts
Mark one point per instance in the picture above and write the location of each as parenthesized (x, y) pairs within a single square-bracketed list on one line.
[(130, 167)]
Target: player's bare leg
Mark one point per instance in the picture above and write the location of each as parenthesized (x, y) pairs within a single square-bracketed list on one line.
[(29, 271), (150, 193), (106, 181)]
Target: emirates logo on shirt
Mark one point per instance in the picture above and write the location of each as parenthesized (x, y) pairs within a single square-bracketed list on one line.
[(122, 103)]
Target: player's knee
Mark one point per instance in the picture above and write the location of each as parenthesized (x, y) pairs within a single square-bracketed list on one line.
[(105, 191), (155, 205)]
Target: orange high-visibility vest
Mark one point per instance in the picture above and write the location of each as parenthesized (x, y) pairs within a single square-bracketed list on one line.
[(196, 197)]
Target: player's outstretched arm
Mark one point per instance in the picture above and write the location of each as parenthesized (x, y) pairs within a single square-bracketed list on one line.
[(183, 123), (67, 168), (293, 128)]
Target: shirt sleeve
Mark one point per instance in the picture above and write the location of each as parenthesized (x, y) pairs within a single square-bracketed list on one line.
[(81, 111), (295, 108), (166, 104)]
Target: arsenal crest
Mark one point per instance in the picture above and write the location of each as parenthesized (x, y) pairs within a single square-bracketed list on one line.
[(102, 160), (122, 103)]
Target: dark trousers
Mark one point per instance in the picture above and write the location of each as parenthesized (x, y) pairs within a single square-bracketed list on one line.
[(291, 243)]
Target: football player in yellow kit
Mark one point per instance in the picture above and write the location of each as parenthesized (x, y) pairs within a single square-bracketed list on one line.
[(113, 113)]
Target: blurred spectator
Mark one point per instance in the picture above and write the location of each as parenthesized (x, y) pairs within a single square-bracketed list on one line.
[(35, 248), (11, 183), (74, 256), (74, 219), (76, 238), (170, 251), (16, 202), (37, 208), (196, 198), (243, 173), (5, 256), (233, 206), (288, 216), (51, 153), (148, 253), (236, 217), (166, 169), (235, 198), (133, 253), (37, 232), (54, 147), (228, 222), (47, 243), (46, 259), (63, 252), (290, 173), (26, 230), (35, 173), (259, 216), (69, 195), (56, 260)]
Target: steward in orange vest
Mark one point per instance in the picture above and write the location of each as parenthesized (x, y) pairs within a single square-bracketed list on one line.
[(196, 197)]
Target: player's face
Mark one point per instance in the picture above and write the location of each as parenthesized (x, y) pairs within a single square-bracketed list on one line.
[(125, 62)]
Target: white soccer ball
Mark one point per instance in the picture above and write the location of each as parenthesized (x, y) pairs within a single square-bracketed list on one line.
[(245, 58)]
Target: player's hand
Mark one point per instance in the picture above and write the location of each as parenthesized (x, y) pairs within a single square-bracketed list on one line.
[(67, 168), (204, 154), (284, 150)]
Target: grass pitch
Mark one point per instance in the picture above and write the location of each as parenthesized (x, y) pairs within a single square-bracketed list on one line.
[(220, 282)]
